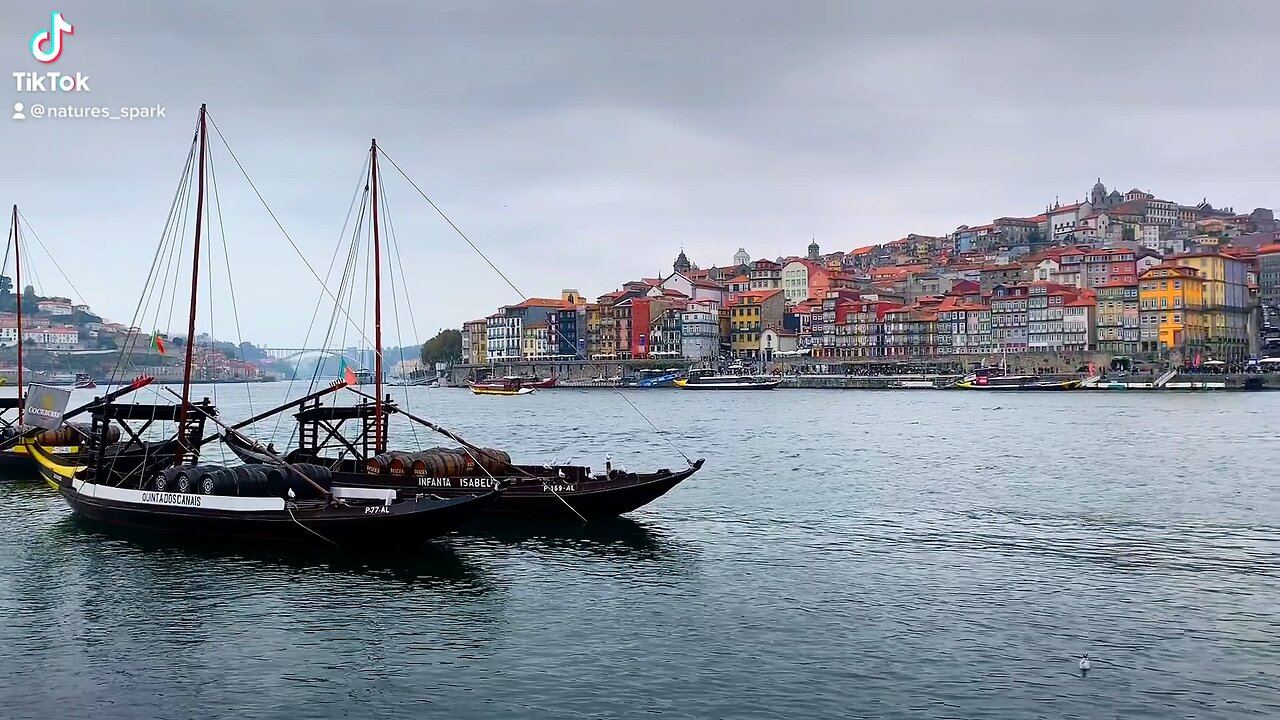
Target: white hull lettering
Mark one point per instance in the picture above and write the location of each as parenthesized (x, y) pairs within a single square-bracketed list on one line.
[(434, 482), (560, 488), (377, 510), (160, 498), (474, 483)]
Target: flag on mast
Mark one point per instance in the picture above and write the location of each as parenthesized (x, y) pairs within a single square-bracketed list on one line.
[(348, 375), (157, 343)]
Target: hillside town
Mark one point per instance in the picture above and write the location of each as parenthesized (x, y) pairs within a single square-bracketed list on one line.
[(61, 338), (1113, 274)]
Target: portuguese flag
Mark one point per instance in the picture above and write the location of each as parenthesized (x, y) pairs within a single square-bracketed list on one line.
[(157, 342), (348, 375)]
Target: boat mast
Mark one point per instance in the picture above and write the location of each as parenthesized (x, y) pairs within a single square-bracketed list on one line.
[(379, 442), (195, 281), (17, 271)]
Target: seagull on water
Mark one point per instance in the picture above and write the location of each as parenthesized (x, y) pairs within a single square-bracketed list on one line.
[(1085, 664)]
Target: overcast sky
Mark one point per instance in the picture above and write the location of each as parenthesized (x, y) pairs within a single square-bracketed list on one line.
[(581, 144)]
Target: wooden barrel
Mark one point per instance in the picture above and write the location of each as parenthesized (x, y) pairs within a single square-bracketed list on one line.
[(399, 463), (212, 479), (377, 465), (164, 482), (455, 465), (496, 461), (58, 437), (277, 484), (418, 465), (251, 480)]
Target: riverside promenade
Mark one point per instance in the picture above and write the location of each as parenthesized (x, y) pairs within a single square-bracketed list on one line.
[(580, 371)]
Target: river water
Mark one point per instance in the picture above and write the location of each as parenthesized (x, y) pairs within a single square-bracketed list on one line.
[(902, 554)]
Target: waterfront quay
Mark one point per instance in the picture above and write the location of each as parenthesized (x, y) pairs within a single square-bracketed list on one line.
[(872, 376)]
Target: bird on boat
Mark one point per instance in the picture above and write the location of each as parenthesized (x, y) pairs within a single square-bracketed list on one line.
[(1085, 664)]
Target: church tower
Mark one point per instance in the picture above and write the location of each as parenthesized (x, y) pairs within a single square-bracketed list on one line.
[(814, 253), (682, 264)]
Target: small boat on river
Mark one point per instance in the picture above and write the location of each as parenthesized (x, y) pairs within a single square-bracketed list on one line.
[(995, 379), (705, 379), (505, 386)]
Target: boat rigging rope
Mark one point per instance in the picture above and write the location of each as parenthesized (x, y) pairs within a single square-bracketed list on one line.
[(523, 296), (394, 251), (231, 286), (31, 231), (176, 210), (315, 312), (279, 225), (289, 506)]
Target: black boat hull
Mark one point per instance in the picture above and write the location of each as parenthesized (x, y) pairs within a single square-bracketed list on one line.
[(550, 497), (538, 493), (400, 524)]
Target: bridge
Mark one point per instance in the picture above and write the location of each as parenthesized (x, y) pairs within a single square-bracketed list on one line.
[(297, 356)]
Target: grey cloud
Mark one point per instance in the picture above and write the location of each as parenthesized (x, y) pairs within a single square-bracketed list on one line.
[(582, 143)]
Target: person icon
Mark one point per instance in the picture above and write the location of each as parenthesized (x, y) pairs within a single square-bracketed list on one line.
[(17, 112)]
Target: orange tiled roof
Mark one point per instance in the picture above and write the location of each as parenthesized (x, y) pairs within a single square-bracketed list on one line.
[(758, 294)]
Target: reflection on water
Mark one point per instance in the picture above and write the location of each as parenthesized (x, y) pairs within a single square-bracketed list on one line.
[(616, 538), (869, 555)]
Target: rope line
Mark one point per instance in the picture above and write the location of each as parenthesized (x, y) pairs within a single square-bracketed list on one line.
[(524, 297)]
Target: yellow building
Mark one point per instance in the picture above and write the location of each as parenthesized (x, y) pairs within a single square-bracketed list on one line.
[(749, 315), (476, 341), (534, 341), (1226, 302), (606, 328), (1171, 309), (593, 330)]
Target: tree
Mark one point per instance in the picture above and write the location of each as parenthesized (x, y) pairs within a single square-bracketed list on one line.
[(29, 295), (445, 347)]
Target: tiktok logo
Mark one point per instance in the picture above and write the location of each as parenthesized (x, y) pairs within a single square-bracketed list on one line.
[(46, 45)]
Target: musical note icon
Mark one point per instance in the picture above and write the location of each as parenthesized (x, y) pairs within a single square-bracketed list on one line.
[(50, 39)]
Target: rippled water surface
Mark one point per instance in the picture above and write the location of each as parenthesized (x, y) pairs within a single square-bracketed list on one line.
[(842, 554)]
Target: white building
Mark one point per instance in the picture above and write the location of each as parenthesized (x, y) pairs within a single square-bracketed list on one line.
[(55, 306), (1077, 325), (797, 276), (503, 336), (1066, 219), (776, 340), (700, 330), (59, 338), (1045, 270), (1150, 236)]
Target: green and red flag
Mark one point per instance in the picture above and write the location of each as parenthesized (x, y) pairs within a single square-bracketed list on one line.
[(348, 375), (157, 342)]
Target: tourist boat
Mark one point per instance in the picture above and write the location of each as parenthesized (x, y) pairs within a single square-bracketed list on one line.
[(705, 379), (360, 460), (995, 379), (280, 502), (541, 491), (913, 385), (84, 381), (505, 386), (653, 379)]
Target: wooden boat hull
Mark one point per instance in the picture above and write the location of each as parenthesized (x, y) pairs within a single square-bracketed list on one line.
[(257, 519), (548, 497), (1041, 386), (545, 496), (497, 391), (17, 463), (401, 524), (766, 385)]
